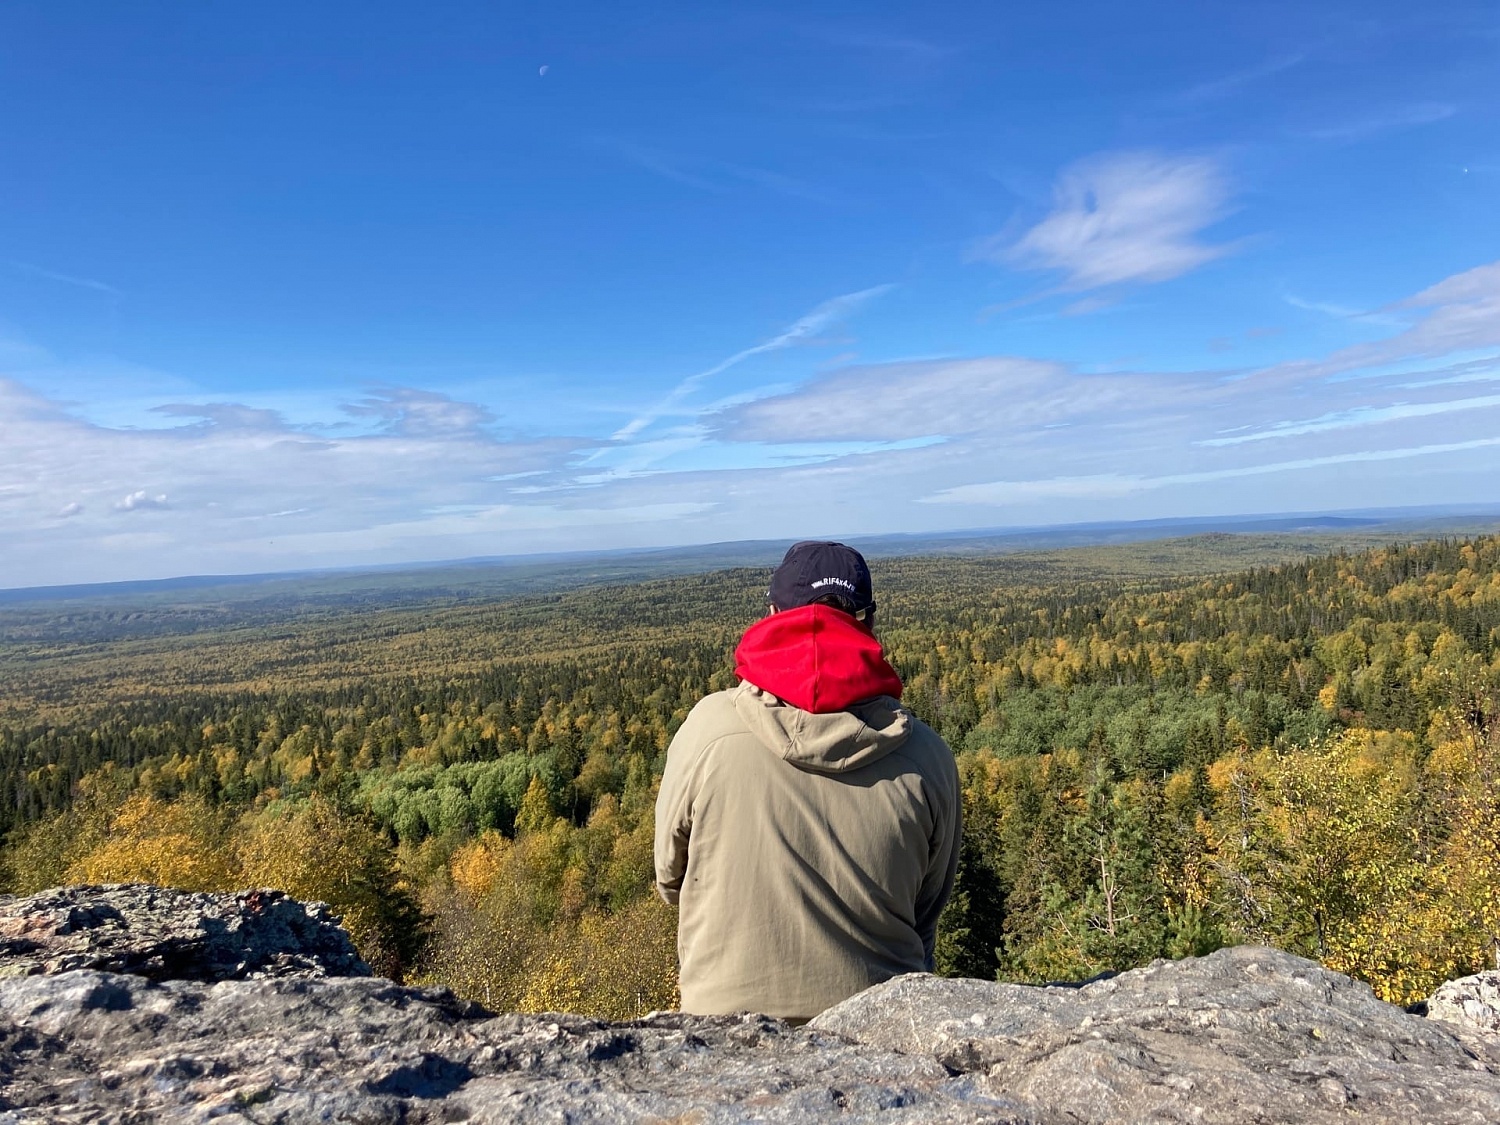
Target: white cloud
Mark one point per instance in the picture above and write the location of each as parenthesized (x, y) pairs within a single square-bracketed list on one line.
[(415, 413), (1015, 402), (223, 489), (1126, 217), (224, 415), (698, 453), (943, 397), (426, 476), (1460, 314), (1465, 314), (1327, 308), (911, 48), (1116, 435), (665, 164), (139, 501)]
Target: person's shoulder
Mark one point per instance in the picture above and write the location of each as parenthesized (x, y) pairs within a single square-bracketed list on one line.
[(712, 718), (714, 705), (924, 736), (927, 749)]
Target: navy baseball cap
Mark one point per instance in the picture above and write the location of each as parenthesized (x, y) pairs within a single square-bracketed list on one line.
[(815, 569)]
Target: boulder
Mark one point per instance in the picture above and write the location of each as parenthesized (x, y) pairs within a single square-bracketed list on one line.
[(1472, 1002), (159, 1012)]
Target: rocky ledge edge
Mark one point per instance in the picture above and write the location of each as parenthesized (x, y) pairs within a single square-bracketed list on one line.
[(131, 1003)]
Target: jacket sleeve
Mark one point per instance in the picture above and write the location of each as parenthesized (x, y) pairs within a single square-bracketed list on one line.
[(674, 812), (943, 852)]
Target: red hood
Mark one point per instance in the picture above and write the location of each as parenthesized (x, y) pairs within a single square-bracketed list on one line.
[(817, 658)]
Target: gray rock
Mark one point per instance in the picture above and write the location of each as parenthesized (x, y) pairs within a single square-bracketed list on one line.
[(1243, 1035), (190, 1034), (1473, 1002), (109, 1048), (172, 935)]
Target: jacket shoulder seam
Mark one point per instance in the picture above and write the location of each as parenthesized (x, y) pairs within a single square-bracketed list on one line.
[(722, 698)]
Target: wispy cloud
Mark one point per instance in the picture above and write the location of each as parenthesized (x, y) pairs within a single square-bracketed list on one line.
[(719, 176), (1337, 311), (1401, 117), (1240, 80), (820, 319), (782, 184), (66, 278), (1107, 485), (1473, 371), (1008, 397), (1132, 217), (698, 453), (911, 49), (1360, 416), (942, 397), (1459, 314), (667, 165)]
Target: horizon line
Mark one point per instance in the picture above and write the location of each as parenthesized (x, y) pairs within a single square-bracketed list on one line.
[(1367, 516)]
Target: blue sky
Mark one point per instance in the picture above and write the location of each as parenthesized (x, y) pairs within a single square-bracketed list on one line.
[(291, 285)]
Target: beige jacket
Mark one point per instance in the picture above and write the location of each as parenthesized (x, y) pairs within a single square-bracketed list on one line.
[(809, 854)]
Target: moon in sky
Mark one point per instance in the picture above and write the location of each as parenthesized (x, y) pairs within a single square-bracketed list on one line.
[(542, 71)]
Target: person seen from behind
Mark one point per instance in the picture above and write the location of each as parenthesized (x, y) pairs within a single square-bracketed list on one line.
[(807, 825)]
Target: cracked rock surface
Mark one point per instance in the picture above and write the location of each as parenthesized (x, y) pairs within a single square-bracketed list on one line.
[(101, 1047), (187, 1033), (1247, 1034)]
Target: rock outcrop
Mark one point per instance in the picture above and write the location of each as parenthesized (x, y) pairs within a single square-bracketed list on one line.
[(164, 934), (99, 1047), (1244, 1034), (186, 1032)]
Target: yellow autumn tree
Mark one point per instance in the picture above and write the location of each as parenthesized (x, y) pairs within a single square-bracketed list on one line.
[(1450, 925), (316, 851), (1316, 848), (618, 965), (554, 920), (183, 843)]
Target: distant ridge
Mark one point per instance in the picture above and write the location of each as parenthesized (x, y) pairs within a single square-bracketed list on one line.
[(571, 568)]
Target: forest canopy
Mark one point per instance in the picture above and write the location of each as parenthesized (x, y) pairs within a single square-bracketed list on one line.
[(1302, 753)]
